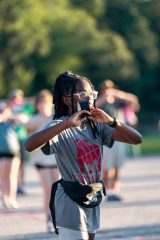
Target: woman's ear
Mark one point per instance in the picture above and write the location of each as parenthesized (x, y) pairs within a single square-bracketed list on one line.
[(67, 100)]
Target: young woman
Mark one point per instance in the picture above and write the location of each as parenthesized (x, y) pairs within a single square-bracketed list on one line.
[(116, 103), (45, 165), (9, 158), (77, 138)]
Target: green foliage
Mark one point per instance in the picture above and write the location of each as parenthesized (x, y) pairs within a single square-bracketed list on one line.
[(111, 58), (150, 144), (100, 39), (24, 32), (93, 7), (135, 28)]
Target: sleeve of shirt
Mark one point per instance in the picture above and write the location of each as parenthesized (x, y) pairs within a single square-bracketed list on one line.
[(51, 146), (106, 133)]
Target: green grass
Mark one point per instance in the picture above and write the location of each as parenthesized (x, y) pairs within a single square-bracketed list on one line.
[(151, 144)]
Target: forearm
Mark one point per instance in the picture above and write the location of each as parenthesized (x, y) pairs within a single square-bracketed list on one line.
[(122, 133), (39, 139), (127, 134)]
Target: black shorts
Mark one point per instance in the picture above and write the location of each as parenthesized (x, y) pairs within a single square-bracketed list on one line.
[(39, 166)]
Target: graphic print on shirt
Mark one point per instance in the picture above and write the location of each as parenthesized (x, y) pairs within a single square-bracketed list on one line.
[(88, 156)]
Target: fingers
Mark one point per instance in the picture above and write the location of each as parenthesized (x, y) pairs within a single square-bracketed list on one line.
[(79, 117), (84, 113), (93, 117), (95, 110), (94, 113)]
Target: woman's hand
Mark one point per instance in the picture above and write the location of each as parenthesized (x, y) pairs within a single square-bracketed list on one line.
[(77, 118), (99, 116)]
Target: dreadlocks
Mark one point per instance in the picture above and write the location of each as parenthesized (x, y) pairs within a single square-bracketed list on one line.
[(66, 85)]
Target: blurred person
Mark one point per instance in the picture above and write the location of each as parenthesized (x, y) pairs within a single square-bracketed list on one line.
[(45, 165), (120, 104), (9, 158), (130, 116), (77, 138), (20, 108)]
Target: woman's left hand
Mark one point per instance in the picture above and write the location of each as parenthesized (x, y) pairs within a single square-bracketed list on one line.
[(99, 116)]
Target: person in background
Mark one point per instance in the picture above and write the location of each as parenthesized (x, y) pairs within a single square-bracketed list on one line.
[(23, 109), (77, 138), (45, 165), (120, 104), (131, 118), (9, 158)]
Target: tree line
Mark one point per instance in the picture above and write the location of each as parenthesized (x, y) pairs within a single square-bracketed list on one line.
[(101, 39)]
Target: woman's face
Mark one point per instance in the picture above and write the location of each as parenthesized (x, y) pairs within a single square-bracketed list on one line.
[(84, 91)]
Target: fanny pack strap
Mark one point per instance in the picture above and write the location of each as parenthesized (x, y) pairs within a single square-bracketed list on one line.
[(51, 203), (103, 189)]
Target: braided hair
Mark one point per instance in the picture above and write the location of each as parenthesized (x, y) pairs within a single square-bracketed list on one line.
[(66, 85)]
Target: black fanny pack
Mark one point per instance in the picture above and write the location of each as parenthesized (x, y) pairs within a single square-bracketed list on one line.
[(88, 196)]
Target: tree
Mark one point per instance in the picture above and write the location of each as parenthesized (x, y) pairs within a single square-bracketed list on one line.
[(134, 21), (23, 33), (100, 39)]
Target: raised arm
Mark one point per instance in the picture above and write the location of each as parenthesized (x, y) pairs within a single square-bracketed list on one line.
[(40, 138), (116, 94), (127, 134), (122, 133)]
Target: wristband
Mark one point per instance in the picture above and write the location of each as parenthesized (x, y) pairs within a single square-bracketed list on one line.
[(114, 124)]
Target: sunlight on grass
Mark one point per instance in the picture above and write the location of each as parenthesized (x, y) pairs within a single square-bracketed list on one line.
[(151, 144)]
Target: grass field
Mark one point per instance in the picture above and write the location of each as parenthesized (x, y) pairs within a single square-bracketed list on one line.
[(151, 144)]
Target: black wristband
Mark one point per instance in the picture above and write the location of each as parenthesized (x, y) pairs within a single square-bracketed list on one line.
[(114, 124)]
